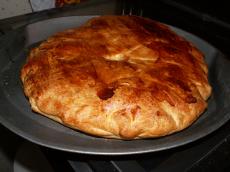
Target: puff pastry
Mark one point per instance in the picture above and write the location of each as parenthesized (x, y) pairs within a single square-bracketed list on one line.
[(124, 77)]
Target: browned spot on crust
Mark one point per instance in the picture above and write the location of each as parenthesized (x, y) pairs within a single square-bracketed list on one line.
[(190, 99), (135, 111), (105, 93)]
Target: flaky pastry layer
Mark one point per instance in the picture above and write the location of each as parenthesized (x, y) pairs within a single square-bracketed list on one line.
[(123, 77)]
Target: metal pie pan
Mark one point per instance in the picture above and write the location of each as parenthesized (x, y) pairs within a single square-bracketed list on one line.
[(16, 113)]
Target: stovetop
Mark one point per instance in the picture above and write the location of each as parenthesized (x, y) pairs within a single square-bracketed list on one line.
[(211, 153)]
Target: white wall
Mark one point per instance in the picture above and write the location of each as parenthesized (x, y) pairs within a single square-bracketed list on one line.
[(10, 8)]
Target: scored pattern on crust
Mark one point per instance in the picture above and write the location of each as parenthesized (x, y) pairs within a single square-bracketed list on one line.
[(118, 77)]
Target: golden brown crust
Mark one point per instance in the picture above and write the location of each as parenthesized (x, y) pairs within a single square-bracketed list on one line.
[(118, 77)]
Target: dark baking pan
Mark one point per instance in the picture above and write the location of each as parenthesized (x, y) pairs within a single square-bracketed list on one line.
[(16, 113)]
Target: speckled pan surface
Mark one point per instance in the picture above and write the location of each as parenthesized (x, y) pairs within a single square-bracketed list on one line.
[(16, 113)]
